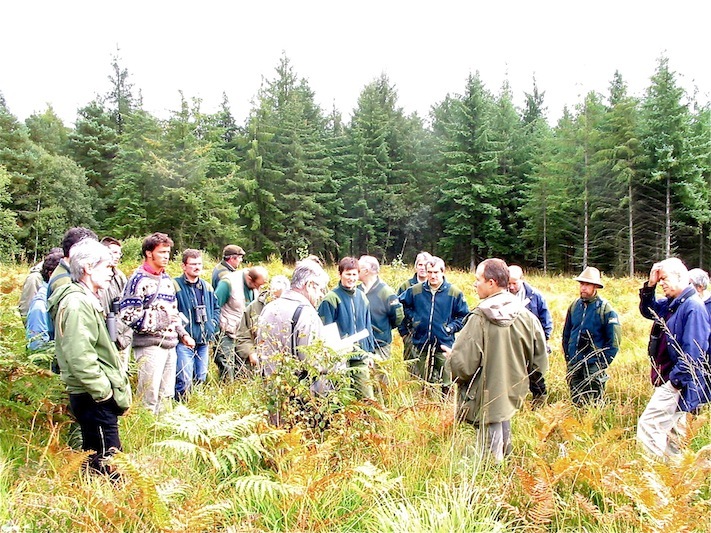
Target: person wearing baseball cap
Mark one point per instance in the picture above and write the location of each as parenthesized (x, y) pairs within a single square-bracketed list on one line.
[(232, 256), (591, 339)]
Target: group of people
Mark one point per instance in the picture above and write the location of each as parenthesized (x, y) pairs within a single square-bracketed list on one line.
[(495, 354)]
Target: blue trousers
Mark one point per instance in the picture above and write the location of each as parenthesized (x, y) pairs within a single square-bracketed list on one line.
[(191, 367)]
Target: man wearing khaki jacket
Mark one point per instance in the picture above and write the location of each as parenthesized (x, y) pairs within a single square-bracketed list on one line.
[(501, 344)]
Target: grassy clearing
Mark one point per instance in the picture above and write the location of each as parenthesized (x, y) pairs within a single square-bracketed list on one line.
[(401, 466)]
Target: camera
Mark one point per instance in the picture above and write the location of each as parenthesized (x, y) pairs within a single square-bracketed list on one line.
[(200, 314)]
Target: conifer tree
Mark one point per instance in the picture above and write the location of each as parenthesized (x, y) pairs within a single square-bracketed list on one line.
[(619, 190), (48, 131), (470, 193), (93, 144), (670, 170)]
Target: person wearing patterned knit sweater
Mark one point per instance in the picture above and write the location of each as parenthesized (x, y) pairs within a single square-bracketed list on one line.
[(150, 307)]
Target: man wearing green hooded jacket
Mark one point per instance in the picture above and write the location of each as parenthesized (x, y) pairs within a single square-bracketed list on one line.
[(501, 344)]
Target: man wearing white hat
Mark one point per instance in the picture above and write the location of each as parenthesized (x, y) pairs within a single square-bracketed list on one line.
[(591, 339)]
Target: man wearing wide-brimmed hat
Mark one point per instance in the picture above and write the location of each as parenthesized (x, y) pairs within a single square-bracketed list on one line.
[(591, 339)]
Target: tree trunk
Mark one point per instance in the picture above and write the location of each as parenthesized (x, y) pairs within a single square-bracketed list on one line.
[(586, 208), (667, 215), (545, 239), (630, 222)]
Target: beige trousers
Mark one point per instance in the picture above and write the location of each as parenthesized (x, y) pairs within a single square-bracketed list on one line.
[(662, 426), (156, 375)]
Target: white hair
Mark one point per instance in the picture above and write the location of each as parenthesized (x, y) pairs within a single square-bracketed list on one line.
[(279, 283), (87, 253), (674, 265), (423, 256), (370, 262), (307, 270), (699, 278)]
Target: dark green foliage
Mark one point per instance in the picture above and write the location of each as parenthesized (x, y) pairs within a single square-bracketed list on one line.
[(382, 177), (48, 192), (617, 182), (471, 191)]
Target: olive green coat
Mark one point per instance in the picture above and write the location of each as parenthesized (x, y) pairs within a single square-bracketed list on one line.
[(499, 346)]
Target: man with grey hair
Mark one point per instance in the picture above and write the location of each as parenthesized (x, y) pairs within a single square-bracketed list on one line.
[(235, 291), (89, 362), (678, 348), (434, 312), (420, 276), (700, 280), (291, 322), (247, 331), (534, 301), (385, 309)]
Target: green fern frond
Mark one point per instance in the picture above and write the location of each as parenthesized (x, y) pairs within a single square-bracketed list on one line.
[(260, 487), (247, 451), (371, 479)]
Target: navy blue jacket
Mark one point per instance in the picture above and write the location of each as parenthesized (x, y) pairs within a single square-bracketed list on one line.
[(385, 311), (591, 332), (349, 309), (537, 305), (433, 317), (682, 359), (186, 296)]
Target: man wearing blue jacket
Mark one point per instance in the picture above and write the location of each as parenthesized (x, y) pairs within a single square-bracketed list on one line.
[(591, 340), (198, 305), (385, 308), (434, 312), (536, 303), (349, 309), (678, 350)]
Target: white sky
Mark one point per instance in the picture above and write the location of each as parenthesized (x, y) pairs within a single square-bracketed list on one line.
[(59, 52)]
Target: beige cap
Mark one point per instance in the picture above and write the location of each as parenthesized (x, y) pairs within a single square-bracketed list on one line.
[(590, 275)]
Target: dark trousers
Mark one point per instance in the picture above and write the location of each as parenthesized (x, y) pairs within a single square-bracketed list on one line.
[(586, 380), (99, 428)]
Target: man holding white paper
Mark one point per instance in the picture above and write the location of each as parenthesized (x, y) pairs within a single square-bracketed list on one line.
[(349, 309)]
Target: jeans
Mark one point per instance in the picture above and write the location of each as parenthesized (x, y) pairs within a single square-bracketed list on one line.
[(191, 367)]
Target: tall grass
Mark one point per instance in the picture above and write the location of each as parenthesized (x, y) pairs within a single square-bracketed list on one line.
[(402, 464)]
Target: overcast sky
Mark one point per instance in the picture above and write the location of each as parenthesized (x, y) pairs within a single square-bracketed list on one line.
[(60, 52)]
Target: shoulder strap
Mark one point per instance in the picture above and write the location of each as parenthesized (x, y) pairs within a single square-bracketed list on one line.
[(603, 309), (295, 320)]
